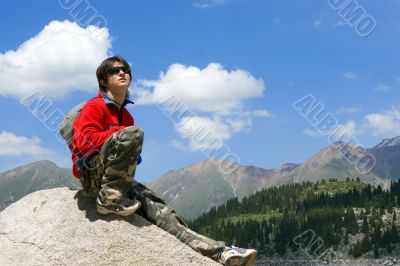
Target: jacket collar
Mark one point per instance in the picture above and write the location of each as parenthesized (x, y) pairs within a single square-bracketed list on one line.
[(107, 100)]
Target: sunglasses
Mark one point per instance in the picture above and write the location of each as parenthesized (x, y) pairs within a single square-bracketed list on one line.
[(116, 70)]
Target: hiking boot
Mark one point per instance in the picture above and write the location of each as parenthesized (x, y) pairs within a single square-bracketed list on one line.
[(126, 208), (234, 256)]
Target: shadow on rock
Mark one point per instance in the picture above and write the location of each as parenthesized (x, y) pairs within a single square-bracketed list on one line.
[(87, 204)]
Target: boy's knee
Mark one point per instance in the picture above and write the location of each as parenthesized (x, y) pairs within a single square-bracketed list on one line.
[(140, 132), (132, 133)]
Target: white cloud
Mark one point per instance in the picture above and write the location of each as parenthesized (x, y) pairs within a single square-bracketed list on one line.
[(237, 125), (61, 58), (262, 113), (218, 95), (13, 145), (383, 124), (382, 87), (347, 129), (386, 123), (317, 23), (212, 89), (203, 133), (350, 75), (208, 4), (348, 110)]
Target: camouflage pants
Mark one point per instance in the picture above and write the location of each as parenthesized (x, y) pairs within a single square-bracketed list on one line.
[(111, 173), (156, 211)]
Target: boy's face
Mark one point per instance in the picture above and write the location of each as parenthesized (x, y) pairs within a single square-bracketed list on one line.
[(118, 79)]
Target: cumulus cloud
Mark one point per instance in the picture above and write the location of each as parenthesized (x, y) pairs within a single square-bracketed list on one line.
[(212, 89), (208, 133), (61, 58), (261, 113), (347, 129), (13, 145), (237, 125), (218, 95), (203, 133), (386, 123), (350, 75)]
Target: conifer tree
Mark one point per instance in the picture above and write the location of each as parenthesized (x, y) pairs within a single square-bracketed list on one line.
[(389, 248), (350, 221), (365, 228), (376, 251), (365, 244), (357, 250), (394, 233), (346, 237)]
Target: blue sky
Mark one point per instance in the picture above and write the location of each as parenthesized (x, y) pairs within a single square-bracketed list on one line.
[(238, 65)]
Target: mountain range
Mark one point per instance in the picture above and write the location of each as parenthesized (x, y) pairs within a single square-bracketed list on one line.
[(23, 180), (197, 188), (194, 190)]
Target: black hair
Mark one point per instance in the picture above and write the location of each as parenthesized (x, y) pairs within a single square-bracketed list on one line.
[(104, 69)]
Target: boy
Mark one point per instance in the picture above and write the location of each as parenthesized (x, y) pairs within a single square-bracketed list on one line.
[(106, 151)]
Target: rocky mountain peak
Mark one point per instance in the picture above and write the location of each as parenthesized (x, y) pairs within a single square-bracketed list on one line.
[(287, 167), (388, 142)]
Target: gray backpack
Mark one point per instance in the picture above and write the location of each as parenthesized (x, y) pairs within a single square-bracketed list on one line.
[(67, 125)]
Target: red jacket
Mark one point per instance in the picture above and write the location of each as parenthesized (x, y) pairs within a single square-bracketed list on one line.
[(97, 121)]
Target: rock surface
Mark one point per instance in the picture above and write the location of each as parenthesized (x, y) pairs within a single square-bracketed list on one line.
[(61, 227)]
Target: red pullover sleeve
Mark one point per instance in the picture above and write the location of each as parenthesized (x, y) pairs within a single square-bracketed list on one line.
[(89, 129)]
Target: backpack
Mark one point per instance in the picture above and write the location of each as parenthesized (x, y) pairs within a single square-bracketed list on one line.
[(67, 125)]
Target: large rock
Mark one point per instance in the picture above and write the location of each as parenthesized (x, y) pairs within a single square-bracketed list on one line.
[(61, 227)]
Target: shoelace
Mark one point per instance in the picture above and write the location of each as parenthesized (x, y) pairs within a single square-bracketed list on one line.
[(237, 249)]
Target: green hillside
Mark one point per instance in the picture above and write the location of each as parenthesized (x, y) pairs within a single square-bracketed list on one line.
[(339, 169), (349, 216)]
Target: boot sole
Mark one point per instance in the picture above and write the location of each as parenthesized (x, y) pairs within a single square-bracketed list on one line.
[(126, 212), (241, 261)]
